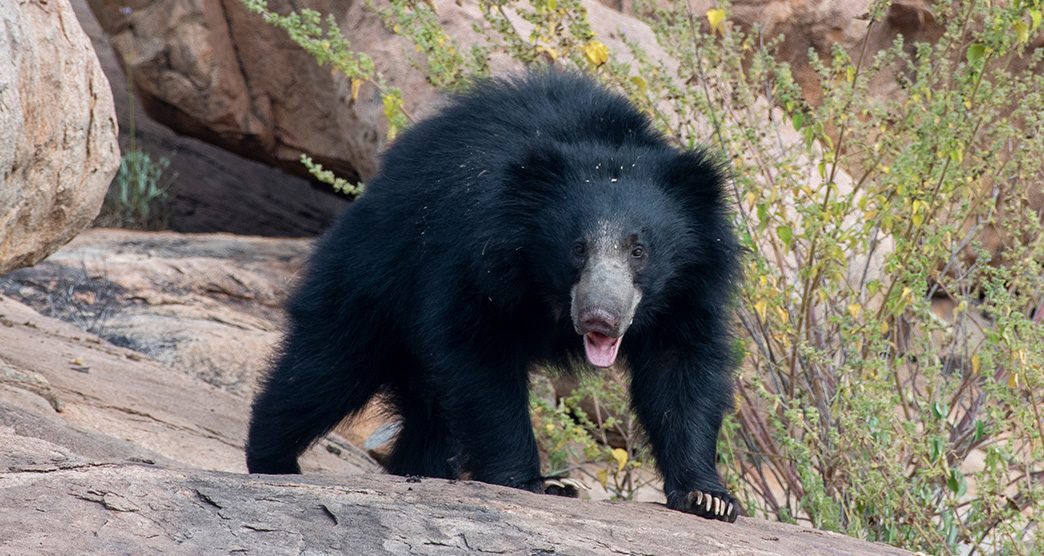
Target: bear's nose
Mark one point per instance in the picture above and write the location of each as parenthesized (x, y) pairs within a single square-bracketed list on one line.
[(600, 321)]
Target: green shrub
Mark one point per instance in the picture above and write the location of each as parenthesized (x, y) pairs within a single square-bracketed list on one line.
[(892, 379), (591, 431), (137, 197)]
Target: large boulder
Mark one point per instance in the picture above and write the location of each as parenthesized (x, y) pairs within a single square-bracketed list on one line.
[(58, 149), (211, 69), (208, 192), (63, 504)]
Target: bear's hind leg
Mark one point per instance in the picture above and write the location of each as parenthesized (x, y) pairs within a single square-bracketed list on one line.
[(307, 394)]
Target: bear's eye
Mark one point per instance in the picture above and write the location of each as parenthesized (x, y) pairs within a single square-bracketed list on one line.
[(638, 251), (579, 249)]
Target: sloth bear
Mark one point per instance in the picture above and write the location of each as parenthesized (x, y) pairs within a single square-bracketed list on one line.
[(533, 220)]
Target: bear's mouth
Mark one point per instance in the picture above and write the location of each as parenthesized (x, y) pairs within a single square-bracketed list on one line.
[(601, 349)]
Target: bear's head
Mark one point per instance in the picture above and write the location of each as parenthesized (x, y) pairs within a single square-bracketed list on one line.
[(614, 233)]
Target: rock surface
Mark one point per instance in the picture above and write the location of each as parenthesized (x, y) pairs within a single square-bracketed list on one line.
[(70, 504), (208, 306), (210, 69), (102, 403), (215, 190), (58, 149)]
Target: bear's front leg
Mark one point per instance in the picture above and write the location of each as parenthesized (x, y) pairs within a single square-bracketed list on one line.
[(680, 399)]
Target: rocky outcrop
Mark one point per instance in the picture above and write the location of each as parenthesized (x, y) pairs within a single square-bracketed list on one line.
[(208, 306), (212, 70), (214, 190), (105, 404), (819, 25), (143, 509), (58, 149)]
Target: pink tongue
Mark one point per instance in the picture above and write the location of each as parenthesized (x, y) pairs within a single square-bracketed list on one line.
[(601, 349)]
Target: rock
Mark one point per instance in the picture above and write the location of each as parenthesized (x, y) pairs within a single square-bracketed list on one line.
[(150, 509), (215, 190), (58, 149), (821, 24), (207, 305), (119, 406), (212, 70)]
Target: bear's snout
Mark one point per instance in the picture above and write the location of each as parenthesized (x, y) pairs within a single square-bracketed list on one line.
[(601, 321)]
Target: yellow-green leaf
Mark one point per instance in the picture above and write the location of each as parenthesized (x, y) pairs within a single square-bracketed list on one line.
[(976, 363), (917, 209), (392, 109), (976, 52), (854, 309), (785, 233), (596, 53), (759, 307), (640, 82), (356, 85), (603, 478), (1021, 31), (750, 198), (716, 17), (620, 455), (1035, 19)]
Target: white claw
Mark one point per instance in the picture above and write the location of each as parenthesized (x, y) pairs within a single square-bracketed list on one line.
[(717, 505), (708, 503), (729, 511), (575, 483), (699, 497)]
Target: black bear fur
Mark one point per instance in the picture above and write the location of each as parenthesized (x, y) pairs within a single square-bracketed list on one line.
[(461, 267)]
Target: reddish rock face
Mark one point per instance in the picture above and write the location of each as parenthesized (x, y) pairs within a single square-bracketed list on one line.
[(212, 70), (58, 147), (213, 190)]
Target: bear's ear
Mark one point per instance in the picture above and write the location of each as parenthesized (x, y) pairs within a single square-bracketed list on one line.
[(696, 179)]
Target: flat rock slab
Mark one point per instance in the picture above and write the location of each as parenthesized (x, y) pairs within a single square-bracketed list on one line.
[(105, 403), (141, 509)]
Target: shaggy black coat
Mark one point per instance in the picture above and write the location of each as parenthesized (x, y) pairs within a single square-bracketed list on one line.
[(451, 277)]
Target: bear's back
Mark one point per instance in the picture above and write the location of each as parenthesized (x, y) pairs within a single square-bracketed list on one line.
[(479, 134)]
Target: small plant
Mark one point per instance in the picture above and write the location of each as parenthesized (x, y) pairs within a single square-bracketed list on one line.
[(323, 175), (137, 197), (592, 431)]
